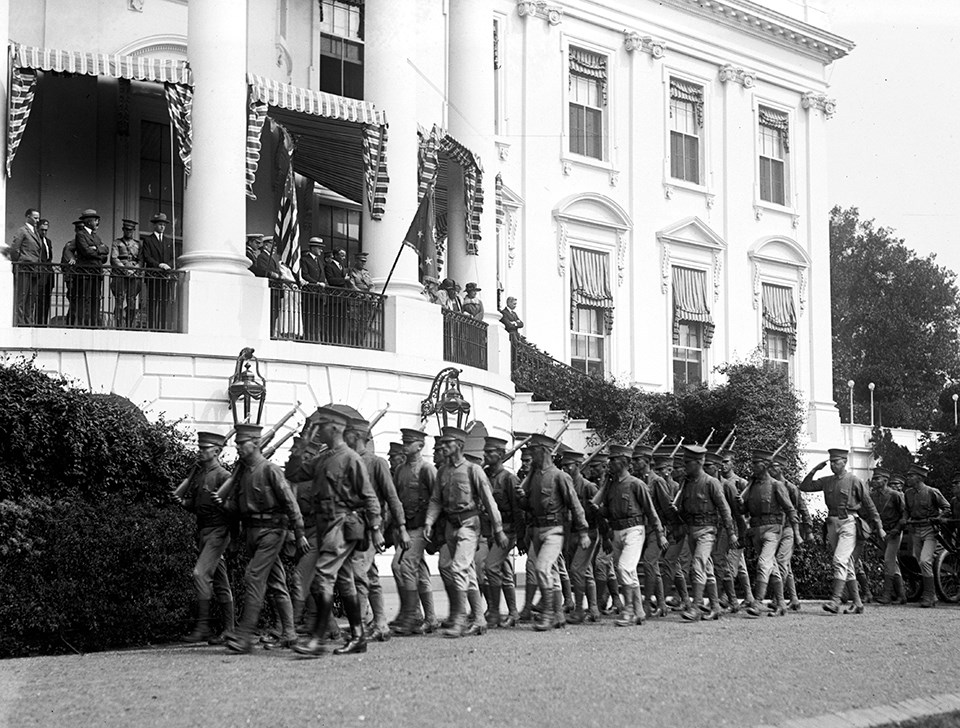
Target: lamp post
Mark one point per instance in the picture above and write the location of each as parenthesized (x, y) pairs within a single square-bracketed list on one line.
[(871, 387), (850, 384), (955, 397)]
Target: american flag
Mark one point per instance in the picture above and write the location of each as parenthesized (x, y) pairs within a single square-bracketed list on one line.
[(287, 230)]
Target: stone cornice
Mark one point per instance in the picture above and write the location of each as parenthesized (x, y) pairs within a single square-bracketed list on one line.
[(553, 14), (770, 25)]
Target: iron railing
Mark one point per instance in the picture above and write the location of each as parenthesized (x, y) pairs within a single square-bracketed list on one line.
[(464, 339), (533, 370), (334, 316), (51, 295)]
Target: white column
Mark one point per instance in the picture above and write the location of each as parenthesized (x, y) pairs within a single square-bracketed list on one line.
[(471, 122), (6, 269), (215, 199), (389, 82)]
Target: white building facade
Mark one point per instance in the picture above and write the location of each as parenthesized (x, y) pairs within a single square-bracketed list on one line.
[(647, 178)]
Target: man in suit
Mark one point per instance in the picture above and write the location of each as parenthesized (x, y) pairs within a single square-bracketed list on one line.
[(68, 268), (27, 250), (314, 281), (508, 317), (336, 270), (267, 266), (160, 290), (45, 287), (91, 254)]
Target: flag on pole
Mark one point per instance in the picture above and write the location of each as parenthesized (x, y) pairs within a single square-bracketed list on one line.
[(287, 229), (420, 236)]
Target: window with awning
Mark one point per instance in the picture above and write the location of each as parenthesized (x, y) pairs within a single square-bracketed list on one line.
[(591, 309), (779, 314), (26, 62), (338, 142), (690, 303)]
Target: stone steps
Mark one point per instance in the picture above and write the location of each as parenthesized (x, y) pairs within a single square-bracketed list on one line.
[(530, 416)]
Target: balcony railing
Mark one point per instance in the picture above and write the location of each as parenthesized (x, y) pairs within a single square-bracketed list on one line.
[(334, 316), (50, 295), (464, 339), (533, 370)]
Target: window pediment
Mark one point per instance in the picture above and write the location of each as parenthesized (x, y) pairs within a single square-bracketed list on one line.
[(693, 243)]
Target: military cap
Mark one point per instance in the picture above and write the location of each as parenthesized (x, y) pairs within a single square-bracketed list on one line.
[(408, 434), (448, 434), (896, 478), (621, 451), (129, 223), (918, 470), (838, 453), (396, 448), (538, 440), (601, 458), (571, 456), (89, 212), (474, 458), (643, 451), (254, 236), (359, 425), (725, 455), (712, 458), (246, 431), (662, 459), (694, 452), (315, 242), (209, 439), (159, 217), (328, 414), (494, 443), (882, 472), (780, 459), (762, 454)]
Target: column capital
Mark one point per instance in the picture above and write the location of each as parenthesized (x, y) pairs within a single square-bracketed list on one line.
[(815, 100), (553, 14), (634, 41), (729, 72)]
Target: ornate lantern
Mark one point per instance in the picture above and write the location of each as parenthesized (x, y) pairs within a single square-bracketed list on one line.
[(247, 385), (446, 401)]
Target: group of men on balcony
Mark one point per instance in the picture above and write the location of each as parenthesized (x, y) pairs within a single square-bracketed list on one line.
[(83, 261)]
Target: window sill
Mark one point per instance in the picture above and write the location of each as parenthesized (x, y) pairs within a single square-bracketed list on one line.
[(762, 206), (670, 187), (569, 161)]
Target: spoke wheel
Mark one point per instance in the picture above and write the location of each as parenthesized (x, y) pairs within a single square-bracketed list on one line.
[(946, 576)]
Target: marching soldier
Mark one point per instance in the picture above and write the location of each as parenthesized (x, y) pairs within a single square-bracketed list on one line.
[(926, 507), (670, 561), (546, 494), (768, 506), (604, 574), (460, 489), (365, 571), (728, 595), (892, 508), (396, 458), (415, 482), (581, 563), (627, 506), (736, 562), (213, 538), (348, 512), (499, 563), (267, 508), (700, 503), (787, 542), (845, 496)]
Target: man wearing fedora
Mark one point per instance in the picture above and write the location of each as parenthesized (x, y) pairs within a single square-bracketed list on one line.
[(845, 496), (29, 247), (472, 305), (125, 280), (158, 254), (926, 508), (314, 281), (91, 254)]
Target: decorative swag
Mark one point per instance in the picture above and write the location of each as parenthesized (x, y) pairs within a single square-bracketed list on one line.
[(590, 65), (590, 283), (26, 61), (690, 302), (779, 122), (690, 93), (339, 142), (778, 313)]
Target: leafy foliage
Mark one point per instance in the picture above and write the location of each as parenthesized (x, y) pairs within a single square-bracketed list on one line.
[(941, 454), (895, 323), (895, 458)]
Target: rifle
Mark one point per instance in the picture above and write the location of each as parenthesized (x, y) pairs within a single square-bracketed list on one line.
[(723, 444), (707, 441), (659, 443), (268, 436), (677, 448), (641, 436), (224, 490), (777, 451), (596, 452), (558, 436), (513, 450), (271, 451), (598, 498), (378, 416)]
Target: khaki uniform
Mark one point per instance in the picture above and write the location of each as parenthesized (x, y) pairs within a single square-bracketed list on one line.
[(213, 532), (701, 505), (924, 506), (415, 482), (768, 506)]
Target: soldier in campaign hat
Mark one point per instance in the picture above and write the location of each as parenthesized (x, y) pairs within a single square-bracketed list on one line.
[(926, 508), (213, 538), (460, 490), (267, 508), (845, 496), (348, 513), (892, 508)]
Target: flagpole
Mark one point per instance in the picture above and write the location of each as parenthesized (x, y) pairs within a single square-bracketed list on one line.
[(392, 269)]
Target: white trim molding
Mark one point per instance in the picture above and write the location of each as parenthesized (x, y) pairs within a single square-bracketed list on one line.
[(591, 210), (691, 241), (553, 14), (777, 259)]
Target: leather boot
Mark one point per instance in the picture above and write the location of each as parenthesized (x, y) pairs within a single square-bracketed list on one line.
[(753, 608), (602, 595), (288, 635), (201, 631), (458, 615), (626, 615), (832, 605), (744, 580), (407, 622), (865, 593), (779, 606), (731, 591), (639, 615), (547, 619), (661, 610), (298, 605), (494, 618), (929, 598), (509, 590), (577, 616), (430, 622), (567, 593), (380, 632), (593, 611), (614, 588), (314, 647), (309, 616), (692, 612), (649, 589), (715, 609), (899, 592), (856, 605), (229, 618), (559, 618), (791, 587), (530, 592), (478, 622), (887, 596), (680, 584), (451, 598), (357, 642)]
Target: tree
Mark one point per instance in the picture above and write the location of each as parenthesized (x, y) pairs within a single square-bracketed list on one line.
[(895, 323)]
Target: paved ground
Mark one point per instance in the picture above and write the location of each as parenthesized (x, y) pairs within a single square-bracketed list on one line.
[(734, 672)]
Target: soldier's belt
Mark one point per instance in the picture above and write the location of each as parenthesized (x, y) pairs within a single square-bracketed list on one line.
[(264, 520), (702, 519), (458, 519), (769, 519), (547, 521), (619, 524), (840, 515)]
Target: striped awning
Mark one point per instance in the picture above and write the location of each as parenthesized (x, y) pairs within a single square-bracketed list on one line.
[(690, 302), (590, 65), (779, 313), (437, 149), (370, 145), (26, 61), (779, 122), (498, 193), (691, 93), (590, 284)]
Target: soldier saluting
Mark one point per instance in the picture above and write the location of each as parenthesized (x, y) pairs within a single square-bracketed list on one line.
[(845, 496)]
